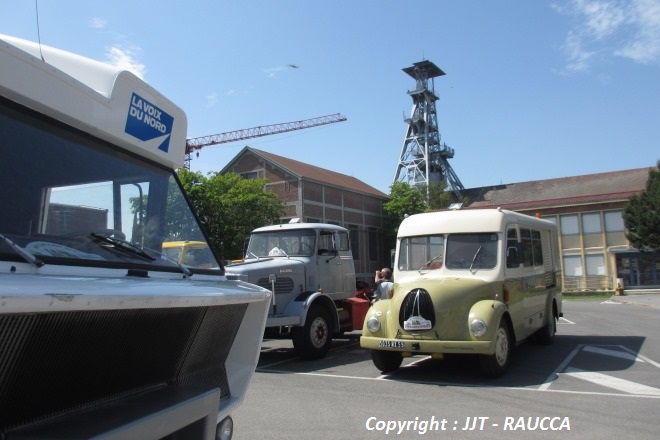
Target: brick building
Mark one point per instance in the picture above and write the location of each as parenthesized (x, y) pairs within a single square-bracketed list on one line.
[(587, 210), (319, 195)]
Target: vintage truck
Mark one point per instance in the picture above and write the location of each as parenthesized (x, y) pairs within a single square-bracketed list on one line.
[(101, 334), (470, 282), (310, 271)]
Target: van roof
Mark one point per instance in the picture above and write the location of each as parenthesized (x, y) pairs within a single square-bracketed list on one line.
[(468, 220)]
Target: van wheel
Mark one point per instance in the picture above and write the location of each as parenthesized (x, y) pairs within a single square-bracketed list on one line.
[(386, 361), (312, 341), (494, 365), (546, 335)]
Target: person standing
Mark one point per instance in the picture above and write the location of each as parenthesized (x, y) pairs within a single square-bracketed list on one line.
[(385, 284)]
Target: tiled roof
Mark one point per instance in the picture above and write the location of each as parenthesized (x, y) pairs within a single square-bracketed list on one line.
[(576, 190), (315, 174)]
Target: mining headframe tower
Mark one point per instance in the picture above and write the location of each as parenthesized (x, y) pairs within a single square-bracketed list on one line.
[(424, 158)]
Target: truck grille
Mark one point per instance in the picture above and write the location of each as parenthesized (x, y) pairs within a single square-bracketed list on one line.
[(417, 303), (282, 285), (55, 363)]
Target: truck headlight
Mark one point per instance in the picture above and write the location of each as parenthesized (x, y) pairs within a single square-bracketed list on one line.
[(373, 324), (236, 276), (478, 328)]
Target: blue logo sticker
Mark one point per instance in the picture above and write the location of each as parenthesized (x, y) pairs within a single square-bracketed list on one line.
[(145, 121)]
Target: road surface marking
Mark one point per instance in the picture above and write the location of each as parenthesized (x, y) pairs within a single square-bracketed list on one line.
[(615, 383), (613, 353)]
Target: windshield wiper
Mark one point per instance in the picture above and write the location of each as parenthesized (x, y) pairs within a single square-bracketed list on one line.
[(26, 255), (249, 252), (427, 266), (476, 254), (123, 245)]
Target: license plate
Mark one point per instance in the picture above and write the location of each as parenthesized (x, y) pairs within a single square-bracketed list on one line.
[(392, 344)]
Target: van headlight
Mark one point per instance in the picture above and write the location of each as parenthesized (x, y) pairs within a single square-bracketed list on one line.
[(373, 324), (478, 328)]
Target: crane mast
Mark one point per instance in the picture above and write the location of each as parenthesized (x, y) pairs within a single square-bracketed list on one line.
[(195, 144)]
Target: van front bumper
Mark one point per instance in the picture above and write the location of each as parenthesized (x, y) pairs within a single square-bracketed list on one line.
[(425, 346)]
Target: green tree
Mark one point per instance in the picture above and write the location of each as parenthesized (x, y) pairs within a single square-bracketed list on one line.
[(438, 196), (641, 215), (407, 200), (404, 200), (231, 207)]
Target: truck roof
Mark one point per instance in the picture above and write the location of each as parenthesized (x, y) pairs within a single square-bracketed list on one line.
[(294, 226), (467, 220), (110, 103)]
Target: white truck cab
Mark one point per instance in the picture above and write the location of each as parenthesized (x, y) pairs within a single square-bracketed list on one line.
[(101, 334), (310, 271)]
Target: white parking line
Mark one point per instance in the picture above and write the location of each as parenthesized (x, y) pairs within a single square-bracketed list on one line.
[(382, 376), (613, 353), (615, 383), (548, 381)]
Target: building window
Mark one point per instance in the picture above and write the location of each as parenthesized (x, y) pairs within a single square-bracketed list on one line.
[(250, 175), (373, 245), (550, 218), (591, 223), (573, 266), (569, 224), (595, 264), (355, 241), (614, 221)]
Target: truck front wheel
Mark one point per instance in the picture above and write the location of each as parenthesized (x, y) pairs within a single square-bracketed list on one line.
[(312, 341)]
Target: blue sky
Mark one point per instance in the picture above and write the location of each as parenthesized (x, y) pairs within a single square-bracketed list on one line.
[(533, 89)]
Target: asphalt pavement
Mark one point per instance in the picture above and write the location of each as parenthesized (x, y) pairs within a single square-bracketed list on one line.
[(649, 298)]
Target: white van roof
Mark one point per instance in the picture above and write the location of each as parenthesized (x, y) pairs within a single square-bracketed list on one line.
[(464, 221)]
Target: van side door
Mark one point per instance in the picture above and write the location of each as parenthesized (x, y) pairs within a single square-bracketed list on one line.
[(535, 297)]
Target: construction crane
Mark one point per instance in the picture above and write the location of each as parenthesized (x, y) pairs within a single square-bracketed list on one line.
[(196, 144)]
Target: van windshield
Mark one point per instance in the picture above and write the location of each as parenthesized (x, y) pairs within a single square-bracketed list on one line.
[(69, 198), (455, 252), (421, 253), (472, 251)]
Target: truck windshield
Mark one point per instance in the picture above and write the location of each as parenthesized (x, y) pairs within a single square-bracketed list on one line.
[(299, 242), (69, 198)]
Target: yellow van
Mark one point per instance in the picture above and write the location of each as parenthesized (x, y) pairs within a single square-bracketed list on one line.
[(473, 282), (190, 253)]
